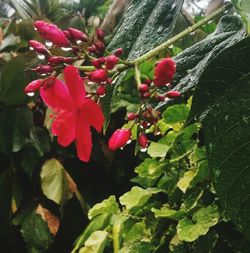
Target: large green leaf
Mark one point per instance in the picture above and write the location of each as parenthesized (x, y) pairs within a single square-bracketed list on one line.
[(13, 80), (223, 101), (146, 24), (243, 6), (55, 182)]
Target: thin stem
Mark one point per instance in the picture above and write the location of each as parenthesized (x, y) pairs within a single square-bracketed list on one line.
[(86, 68), (179, 36), (137, 76), (116, 243)]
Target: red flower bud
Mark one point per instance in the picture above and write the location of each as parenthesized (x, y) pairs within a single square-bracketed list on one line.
[(33, 86), (52, 33), (98, 76), (146, 95), (143, 88), (96, 63), (148, 81), (173, 94), (100, 46), (43, 69), (131, 116), (77, 35), (59, 60), (142, 140), (118, 52), (111, 61), (100, 34), (38, 47), (160, 97), (119, 139), (164, 72), (101, 91)]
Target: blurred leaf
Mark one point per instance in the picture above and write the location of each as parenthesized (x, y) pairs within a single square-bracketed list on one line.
[(137, 247), (95, 243), (9, 42), (12, 85), (106, 206), (175, 114), (243, 7), (54, 182), (189, 230), (15, 125)]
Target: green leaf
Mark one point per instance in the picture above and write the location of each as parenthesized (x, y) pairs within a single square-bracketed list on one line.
[(95, 243), (243, 7), (222, 98), (54, 182), (149, 172), (156, 149), (154, 17), (36, 233), (184, 183), (137, 197), (12, 85), (137, 247), (106, 206), (193, 60), (99, 222), (166, 212), (189, 230), (137, 231), (176, 114), (191, 200)]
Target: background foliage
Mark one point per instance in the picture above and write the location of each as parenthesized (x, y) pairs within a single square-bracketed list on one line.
[(188, 193)]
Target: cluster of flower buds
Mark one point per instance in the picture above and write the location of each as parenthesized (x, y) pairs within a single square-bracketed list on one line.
[(81, 46), (147, 116)]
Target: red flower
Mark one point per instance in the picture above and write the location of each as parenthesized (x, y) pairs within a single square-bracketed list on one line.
[(75, 113), (119, 139), (164, 72), (52, 33), (98, 76), (33, 86), (143, 141)]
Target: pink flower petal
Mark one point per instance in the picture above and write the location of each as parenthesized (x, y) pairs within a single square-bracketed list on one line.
[(75, 84), (83, 139), (57, 96), (64, 127), (92, 114)]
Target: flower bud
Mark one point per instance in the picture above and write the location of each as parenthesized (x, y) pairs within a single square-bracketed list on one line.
[(100, 34), (143, 141), (96, 63), (59, 60), (119, 139), (143, 88), (131, 116), (99, 46), (118, 52), (43, 69), (146, 95), (77, 35), (101, 91), (111, 61), (164, 72), (33, 86), (173, 94), (38, 47), (52, 33), (98, 76)]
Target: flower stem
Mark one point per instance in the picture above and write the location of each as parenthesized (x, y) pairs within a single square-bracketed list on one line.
[(179, 36), (137, 76)]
